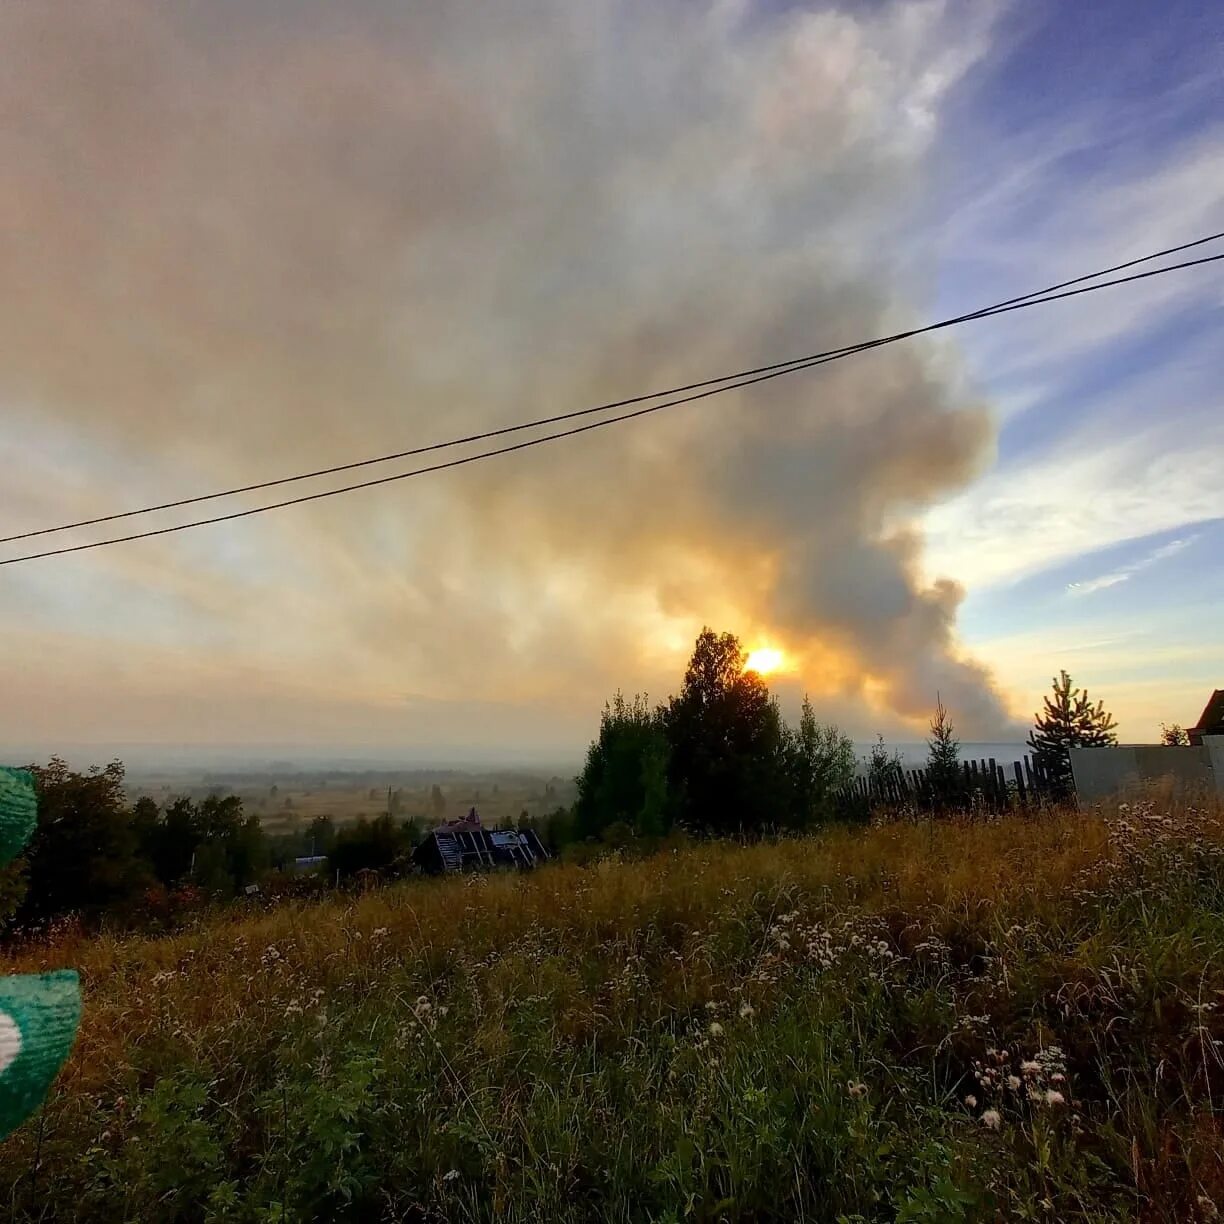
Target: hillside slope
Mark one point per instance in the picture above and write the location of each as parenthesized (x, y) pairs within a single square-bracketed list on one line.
[(939, 1021)]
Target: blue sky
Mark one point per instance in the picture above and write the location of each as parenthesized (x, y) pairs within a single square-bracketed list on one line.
[(312, 233), (1103, 124)]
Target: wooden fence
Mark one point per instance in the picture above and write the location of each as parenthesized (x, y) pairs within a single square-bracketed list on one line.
[(986, 784)]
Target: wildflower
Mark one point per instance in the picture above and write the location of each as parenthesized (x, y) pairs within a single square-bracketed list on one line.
[(971, 1101), (1029, 1067), (1053, 1097), (716, 1029), (747, 1011), (1013, 1082), (991, 1119), (856, 1090), (451, 1175)]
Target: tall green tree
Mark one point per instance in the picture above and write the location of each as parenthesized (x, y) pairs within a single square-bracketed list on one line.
[(821, 764), (624, 779), (727, 771), (1069, 720), (943, 767)]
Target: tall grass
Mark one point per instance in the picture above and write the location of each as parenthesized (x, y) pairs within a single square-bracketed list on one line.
[(934, 1021)]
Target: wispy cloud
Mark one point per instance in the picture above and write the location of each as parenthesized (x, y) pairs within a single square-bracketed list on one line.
[(1124, 573)]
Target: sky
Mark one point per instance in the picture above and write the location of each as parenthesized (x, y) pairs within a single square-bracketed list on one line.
[(241, 240)]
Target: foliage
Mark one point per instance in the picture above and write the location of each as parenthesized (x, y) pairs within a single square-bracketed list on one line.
[(932, 1021), (727, 769), (84, 855), (95, 857), (371, 845), (943, 768), (625, 775), (1070, 720), (820, 762), (1175, 736), (884, 768)]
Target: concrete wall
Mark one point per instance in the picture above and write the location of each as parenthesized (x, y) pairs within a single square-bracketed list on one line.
[(1215, 749), (1102, 772)]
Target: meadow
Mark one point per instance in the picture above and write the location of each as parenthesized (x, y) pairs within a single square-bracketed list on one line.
[(286, 800), (1016, 1018)]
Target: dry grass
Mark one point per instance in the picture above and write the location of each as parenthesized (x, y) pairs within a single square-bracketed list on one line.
[(778, 1031)]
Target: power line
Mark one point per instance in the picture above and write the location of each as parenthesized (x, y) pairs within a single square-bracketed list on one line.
[(781, 366), (1027, 300)]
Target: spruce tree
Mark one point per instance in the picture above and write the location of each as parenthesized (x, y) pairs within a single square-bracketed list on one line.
[(1070, 721), (943, 768)]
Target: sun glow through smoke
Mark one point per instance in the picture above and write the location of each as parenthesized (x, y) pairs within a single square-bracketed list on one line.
[(764, 660)]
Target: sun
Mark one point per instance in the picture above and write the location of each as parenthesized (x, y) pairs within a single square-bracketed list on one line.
[(764, 661)]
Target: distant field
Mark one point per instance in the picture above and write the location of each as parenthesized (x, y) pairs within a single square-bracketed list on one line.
[(289, 801), (939, 1021)]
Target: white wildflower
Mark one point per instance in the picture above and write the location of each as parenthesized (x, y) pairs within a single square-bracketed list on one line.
[(1053, 1097), (992, 1119)]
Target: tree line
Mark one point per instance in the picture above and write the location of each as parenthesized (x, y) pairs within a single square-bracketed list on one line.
[(718, 758), (715, 759)]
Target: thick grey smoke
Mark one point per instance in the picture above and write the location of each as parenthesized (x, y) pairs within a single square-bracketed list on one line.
[(240, 239)]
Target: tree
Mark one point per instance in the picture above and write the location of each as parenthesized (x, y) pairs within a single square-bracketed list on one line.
[(374, 845), (437, 801), (1070, 721), (727, 771), (943, 769), (176, 841), (884, 768), (1175, 736), (83, 857), (625, 775), (321, 835), (821, 763)]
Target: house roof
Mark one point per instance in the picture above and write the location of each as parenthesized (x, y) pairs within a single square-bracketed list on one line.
[(1211, 721)]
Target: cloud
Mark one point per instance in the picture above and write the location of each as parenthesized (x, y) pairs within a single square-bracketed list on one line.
[(1125, 573), (243, 240)]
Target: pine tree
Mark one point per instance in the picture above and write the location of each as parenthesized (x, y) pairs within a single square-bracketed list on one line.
[(943, 768), (1070, 721)]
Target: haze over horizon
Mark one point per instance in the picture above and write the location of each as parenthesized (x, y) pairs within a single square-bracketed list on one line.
[(246, 240)]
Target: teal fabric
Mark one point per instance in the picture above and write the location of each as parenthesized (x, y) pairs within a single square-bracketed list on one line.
[(43, 1010), (39, 1012), (18, 811)]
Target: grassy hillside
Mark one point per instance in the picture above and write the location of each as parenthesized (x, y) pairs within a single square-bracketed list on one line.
[(918, 1022)]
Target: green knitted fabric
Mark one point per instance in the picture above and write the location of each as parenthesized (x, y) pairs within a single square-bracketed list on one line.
[(39, 1012), (18, 811)]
